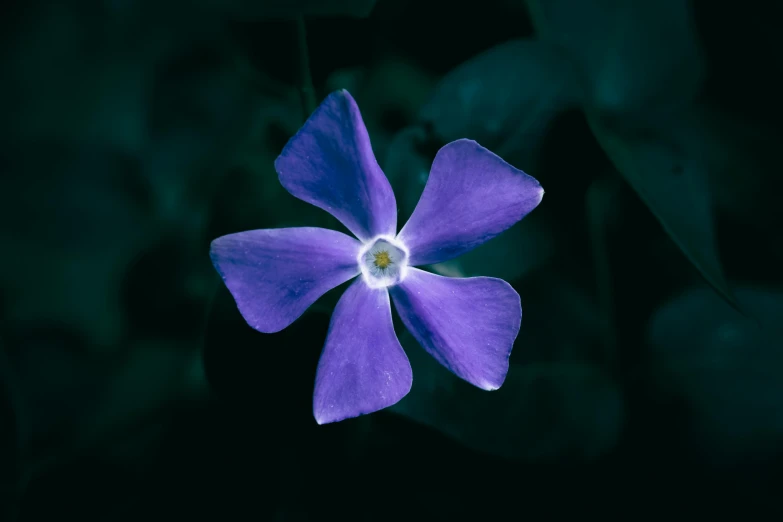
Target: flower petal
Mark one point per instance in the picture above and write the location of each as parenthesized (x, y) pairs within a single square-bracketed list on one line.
[(471, 196), (468, 325), (276, 274), (363, 367), (330, 164)]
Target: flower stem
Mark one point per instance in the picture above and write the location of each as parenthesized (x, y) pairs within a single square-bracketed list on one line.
[(306, 90)]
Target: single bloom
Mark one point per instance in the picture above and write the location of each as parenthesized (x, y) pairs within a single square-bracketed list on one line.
[(468, 324)]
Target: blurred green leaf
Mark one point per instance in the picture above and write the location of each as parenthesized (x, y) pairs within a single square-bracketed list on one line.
[(59, 87), (504, 98), (206, 103), (633, 57), (69, 401), (88, 212), (642, 65), (742, 155), (664, 165), (726, 367), (542, 411), (196, 12), (288, 8)]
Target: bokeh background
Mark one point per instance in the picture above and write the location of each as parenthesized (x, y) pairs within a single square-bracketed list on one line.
[(648, 374)]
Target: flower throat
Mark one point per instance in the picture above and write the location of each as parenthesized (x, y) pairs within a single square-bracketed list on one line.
[(382, 259)]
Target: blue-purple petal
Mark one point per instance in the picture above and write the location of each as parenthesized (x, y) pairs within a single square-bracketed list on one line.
[(363, 368), (468, 325), (276, 274), (330, 164), (471, 196)]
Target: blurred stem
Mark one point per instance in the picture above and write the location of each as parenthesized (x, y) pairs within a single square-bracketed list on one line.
[(600, 203), (306, 90)]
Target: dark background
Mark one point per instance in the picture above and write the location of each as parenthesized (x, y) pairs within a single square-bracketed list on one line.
[(648, 374)]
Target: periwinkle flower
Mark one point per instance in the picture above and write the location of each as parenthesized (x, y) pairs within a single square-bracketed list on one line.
[(468, 324)]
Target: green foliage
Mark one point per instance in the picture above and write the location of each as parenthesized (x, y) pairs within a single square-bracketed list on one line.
[(68, 403), (504, 98), (666, 168), (634, 59), (642, 66), (726, 368), (287, 8)]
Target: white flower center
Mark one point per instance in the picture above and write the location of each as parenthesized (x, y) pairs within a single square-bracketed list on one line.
[(383, 262)]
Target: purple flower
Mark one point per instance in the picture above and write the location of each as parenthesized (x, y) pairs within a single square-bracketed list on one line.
[(468, 325)]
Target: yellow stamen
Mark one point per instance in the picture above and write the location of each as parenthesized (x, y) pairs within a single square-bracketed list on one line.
[(382, 259)]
